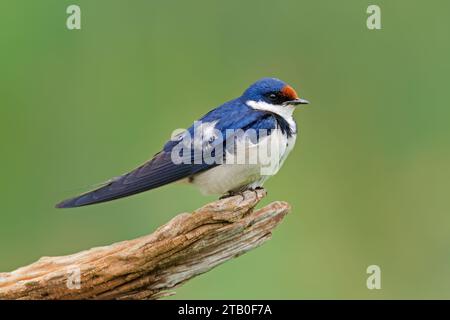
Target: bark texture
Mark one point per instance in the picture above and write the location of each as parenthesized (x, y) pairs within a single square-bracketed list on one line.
[(150, 266)]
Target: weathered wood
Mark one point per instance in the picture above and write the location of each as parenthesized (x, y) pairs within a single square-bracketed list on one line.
[(147, 267)]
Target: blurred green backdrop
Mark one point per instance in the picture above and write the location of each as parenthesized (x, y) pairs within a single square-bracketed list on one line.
[(368, 181)]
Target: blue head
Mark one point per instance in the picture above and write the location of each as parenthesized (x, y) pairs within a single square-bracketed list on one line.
[(272, 91)]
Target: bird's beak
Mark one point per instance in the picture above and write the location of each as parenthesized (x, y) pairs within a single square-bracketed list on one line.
[(296, 102)]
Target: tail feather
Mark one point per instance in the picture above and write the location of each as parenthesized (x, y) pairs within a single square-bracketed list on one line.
[(99, 195), (152, 174)]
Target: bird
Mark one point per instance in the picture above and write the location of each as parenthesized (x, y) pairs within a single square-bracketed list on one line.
[(265, 108)]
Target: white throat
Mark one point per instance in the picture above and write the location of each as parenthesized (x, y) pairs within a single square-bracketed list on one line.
[(283, 111)]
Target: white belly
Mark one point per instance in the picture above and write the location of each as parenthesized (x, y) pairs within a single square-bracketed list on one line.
[(238, 177)]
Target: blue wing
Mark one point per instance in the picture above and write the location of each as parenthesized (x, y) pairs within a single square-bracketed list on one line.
[(161, 170)]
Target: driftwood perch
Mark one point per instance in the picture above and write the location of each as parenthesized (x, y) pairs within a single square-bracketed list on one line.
[(147, 267)]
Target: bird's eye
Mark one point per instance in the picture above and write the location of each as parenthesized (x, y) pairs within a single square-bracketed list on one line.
[(273, 96)]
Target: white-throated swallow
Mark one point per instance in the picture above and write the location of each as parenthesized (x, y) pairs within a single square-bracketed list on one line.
[(259, 120)]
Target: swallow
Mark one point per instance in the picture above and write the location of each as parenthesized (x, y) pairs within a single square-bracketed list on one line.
[(205, 154)]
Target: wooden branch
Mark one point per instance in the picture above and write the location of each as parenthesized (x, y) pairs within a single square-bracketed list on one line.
[(147, 267)]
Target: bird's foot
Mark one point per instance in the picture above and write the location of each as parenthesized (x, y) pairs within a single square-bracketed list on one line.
[(241, 193), (256, 189), (232, 194), (229, 194)]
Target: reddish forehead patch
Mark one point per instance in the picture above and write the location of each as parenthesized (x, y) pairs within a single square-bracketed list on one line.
[(289, 92)]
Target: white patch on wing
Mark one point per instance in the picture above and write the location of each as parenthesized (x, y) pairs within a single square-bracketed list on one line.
[(237, 176), (283, 111), (208, 129), (204, 134)]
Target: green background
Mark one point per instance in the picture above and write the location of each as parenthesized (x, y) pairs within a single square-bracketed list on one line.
[(368, 180)]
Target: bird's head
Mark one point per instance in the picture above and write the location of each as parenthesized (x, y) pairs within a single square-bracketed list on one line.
[(272, 91)]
